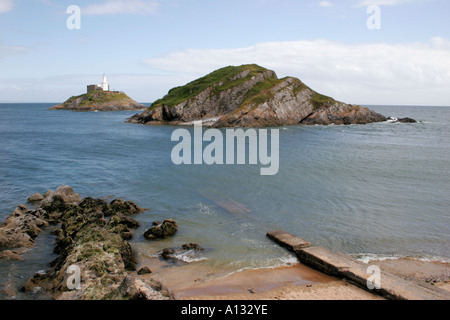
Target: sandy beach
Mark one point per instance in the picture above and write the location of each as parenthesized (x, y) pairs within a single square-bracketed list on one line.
[(295, 282)]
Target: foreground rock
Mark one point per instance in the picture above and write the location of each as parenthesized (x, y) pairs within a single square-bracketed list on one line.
[(86, 241), (161, 230), (251, 96), (100, 101), (180, 254), (35, 198), (19, 231)]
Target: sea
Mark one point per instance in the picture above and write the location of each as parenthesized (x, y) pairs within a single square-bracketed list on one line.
[(377, 191)]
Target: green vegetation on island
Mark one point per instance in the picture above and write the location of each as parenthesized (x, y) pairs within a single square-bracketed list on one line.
[(251, 96), (100, 101)]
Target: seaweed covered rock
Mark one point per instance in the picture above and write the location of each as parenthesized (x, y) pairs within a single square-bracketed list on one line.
[(166, 229), (87, 242), (122, 224), (124, 207)]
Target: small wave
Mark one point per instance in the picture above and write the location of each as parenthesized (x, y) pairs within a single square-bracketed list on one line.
[(189, 256), (369, 257), (280, 262)]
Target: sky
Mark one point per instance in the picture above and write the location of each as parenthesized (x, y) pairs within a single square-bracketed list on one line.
[(369, 52)]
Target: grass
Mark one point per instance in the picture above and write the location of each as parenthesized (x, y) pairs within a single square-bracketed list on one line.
[(223, 79), (224, 76), (99, 97), (260, 93), (319, 100)]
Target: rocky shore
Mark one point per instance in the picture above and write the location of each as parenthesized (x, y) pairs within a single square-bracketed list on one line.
[(91, 236), (251, 96)]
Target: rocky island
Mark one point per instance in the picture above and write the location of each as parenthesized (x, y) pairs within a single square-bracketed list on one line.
[(251, 96), (100, 101)]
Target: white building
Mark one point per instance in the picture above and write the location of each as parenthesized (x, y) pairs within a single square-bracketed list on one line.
[(104, 86)]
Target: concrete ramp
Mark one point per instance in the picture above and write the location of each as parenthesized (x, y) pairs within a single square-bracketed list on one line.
[(342, 266)]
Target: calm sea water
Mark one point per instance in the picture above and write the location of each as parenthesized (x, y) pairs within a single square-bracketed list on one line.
[(380, 189)]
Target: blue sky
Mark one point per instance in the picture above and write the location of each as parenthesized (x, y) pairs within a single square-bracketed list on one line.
[(146, 47)]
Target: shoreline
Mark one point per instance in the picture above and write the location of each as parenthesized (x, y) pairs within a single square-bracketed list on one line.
[(195, 281), (92, 235)]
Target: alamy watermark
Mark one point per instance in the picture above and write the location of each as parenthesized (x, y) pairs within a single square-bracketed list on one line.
[(74, 280), (230, 149), (374, 281), (374, 21), (73, 22)]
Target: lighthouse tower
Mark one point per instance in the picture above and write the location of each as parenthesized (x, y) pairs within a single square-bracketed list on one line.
[(105, 85), (99, 87)]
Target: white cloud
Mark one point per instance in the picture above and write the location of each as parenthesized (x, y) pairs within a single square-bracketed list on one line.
[(366, 3), (325, 4), (6, 5), (111, 7), (411, 73)]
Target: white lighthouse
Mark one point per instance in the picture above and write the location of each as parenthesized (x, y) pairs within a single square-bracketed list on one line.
[(104, 86)]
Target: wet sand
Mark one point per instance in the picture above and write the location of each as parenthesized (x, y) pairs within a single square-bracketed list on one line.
[(433, 273), (296, 282)]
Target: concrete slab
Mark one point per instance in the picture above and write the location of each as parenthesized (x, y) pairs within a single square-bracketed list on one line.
[(343, 266), (288, 240)]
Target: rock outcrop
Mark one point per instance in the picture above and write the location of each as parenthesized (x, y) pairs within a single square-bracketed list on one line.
[(91, 236), (401, 120), (251, 96), (175, 254), (19, 231), (161, 230), (100, 101)]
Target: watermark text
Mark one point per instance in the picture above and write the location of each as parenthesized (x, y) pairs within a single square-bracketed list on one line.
[(230, 149)]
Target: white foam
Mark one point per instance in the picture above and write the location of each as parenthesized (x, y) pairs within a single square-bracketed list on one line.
[(282, 262), (206, 210), (369, 257), (189, 256)]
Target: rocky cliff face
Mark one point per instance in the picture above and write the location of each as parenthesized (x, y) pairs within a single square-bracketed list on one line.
[(100, 101), (251, 96)]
